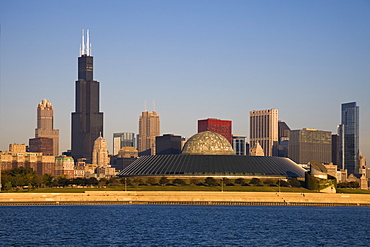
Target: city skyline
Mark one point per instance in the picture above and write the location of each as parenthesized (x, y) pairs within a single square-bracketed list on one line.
[(195, 59)]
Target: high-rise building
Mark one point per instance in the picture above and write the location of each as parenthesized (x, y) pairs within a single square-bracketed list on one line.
[(168, 144), (42, 145), (222, 127), (239, 144), (64, 166), (264, 130), (149, 128), (124, 139), (283, 136), (100, 152), (349, 138), (310, 145), (87, 121), (45, 129), (335, 157)]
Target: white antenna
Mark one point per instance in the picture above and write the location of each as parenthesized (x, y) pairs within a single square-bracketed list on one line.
[(144, 105), (87, 42), (83, 43), (153, 105)]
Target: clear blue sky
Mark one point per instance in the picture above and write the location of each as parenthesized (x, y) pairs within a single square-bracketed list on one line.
[(196, 59)]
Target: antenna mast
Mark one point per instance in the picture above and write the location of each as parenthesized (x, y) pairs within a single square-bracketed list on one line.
[(87, 42)]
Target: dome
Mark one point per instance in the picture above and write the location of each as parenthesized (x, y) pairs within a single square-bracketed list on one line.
[(208, 143)]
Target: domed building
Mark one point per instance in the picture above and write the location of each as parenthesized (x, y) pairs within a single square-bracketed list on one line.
[(208, 143), (209, 154)]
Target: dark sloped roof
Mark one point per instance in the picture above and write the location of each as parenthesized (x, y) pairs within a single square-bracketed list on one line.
[(212, 165)]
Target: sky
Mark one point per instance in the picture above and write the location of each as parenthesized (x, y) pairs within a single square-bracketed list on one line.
[(195, 59)]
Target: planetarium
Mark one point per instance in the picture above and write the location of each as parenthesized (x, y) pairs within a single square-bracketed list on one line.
[(208, 154)]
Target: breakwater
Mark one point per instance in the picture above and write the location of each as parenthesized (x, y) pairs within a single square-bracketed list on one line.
[(185, 198)]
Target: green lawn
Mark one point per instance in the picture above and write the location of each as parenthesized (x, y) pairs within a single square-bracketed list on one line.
[(352, 191), (171, 188)]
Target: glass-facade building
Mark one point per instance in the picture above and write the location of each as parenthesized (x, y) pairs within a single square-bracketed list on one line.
[(239, 144), (349, 138), (123, 139)]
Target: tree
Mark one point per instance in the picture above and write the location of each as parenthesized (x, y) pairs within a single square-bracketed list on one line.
[(295, 183), (194, 181), (210, 181), (239, 181), (151, 181), (255, 181), (163, 181), (269, 181), (62, 180), (136, 182), (178, 182), (8, 186), (282, 183), (92, 181), (47, 179)]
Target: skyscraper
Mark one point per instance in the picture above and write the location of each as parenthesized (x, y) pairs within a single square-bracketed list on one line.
[(149, 128), (87, 121), (222, 127), (168, 144), (310, 144), (124, 139), (264, 130), (45, 129), (239, 144), (349, 138), (100, 152), (283, 137)]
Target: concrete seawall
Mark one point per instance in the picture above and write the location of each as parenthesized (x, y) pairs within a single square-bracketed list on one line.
[(185, 197)]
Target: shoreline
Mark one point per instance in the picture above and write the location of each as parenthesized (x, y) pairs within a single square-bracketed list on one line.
[(185, 198)]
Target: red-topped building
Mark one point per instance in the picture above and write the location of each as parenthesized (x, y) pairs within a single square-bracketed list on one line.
[(222, 127)]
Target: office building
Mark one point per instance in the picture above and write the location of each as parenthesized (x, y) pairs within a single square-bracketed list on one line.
[(335, 148), (283, 136), (349, 138), (100, 152), (149, 128), (307, 145), (222, 127), (125, 157), (124, 139), (264, 130), (45, 129), (239, 144), (18, 157), (64, 166), (168, 144), (87, 121), (42, 145)]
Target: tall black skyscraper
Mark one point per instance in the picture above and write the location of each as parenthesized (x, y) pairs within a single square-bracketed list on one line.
[(87, 121), (349, 138)]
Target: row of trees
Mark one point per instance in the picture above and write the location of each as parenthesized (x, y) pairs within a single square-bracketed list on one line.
[(20, 177)]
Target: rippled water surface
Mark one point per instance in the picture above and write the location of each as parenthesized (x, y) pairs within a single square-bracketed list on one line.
[(163, 225)]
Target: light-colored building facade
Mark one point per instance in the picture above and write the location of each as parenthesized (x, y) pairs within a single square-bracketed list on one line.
[(149, 128), (18, 157), (100, 152), (306, 145), (239, 144), (123, 139), (64, 166), (263, 126), (45, 124)]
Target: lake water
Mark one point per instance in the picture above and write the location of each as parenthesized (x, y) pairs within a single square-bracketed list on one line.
[(165, 225)]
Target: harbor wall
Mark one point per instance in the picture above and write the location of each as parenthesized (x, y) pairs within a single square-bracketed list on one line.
[(185, 197)]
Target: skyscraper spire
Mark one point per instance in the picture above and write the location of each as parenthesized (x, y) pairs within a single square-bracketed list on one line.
[(85, 46)]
